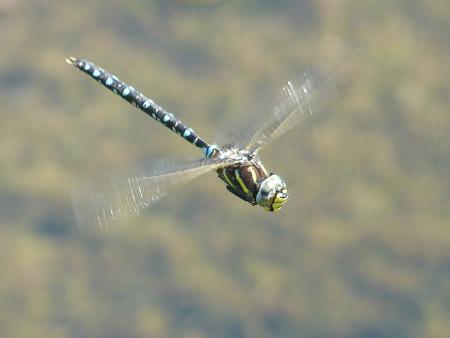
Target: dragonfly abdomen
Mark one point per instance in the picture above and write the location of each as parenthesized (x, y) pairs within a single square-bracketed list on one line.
[(138, 100)]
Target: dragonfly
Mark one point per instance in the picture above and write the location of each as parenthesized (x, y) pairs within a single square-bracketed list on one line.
[(237, 163)]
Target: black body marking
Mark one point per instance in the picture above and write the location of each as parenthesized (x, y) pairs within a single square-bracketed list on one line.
[(138, 100)]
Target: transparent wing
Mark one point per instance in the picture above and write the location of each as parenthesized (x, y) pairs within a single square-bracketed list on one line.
[(119, 198), (297, 100)]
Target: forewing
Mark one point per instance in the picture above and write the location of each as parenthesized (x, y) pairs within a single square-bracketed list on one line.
[(297, 100), (103, 204)]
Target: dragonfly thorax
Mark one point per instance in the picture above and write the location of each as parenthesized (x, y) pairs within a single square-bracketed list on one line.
[(247, 178)]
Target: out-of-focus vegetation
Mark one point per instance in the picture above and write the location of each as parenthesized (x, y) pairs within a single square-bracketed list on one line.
[(363, 247)]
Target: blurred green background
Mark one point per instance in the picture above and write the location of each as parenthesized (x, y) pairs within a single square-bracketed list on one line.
[(362, 249)]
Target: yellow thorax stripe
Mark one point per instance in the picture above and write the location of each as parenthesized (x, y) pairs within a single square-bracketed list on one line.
[(224, 172), (240, 181), (264, 169), (252, 171)]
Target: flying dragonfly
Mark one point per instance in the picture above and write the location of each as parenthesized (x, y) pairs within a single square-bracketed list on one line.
[(236, 163)]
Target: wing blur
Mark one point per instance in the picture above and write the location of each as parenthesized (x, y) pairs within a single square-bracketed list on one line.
[(297, 100), (103, 204)]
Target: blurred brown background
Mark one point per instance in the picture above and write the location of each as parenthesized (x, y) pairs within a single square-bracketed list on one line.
[(361, 250)]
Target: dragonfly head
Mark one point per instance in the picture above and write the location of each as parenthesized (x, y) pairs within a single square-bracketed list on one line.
[(272, 193)]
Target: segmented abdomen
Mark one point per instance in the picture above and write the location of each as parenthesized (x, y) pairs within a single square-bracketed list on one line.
[(134, 97)]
